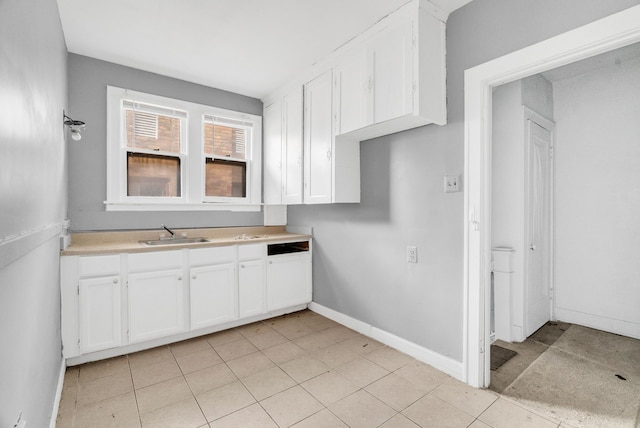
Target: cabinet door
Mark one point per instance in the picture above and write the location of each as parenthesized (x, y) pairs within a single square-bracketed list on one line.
[(292, 147), (156, 304), (318, 139), (99, 313), (251, 288), (352, 88), (391, 59), (213, 295), (272, 119), (288, 281)]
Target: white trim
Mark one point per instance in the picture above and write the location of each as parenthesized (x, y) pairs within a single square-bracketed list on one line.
[(438, 361), (340, 318), (611, 325), (12, 247), (207, 206), (192, 157), (615, 31), (56, 401), (531, 115), (444, 364)]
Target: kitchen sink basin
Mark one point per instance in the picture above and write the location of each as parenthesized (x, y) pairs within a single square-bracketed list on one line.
[(174, 241)]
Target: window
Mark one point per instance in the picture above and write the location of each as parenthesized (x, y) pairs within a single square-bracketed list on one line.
[(167, 154), (154, 145), (225, 151)]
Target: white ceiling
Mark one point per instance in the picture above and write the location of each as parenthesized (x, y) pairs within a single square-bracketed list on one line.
[(250, 47)]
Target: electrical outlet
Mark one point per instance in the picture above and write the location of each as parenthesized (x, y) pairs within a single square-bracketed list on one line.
[(412, 254), (451, 183)]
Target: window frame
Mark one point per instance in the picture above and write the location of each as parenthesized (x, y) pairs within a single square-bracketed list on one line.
[(192, 157), (226, 121), (125, 150)]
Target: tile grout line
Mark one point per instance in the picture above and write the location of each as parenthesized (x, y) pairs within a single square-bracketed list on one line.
[(189, 386), (311, 354), (135, 394)]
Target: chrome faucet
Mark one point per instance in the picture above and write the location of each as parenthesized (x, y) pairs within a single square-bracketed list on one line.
[(168, 230)]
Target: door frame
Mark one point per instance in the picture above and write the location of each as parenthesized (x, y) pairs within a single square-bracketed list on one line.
[(609, 33), (530, 115)]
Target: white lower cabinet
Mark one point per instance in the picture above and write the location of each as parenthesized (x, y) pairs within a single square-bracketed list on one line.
[(252, 291), (213, 295), (251, 288), (100, 315), (156, 306), (110, 302), (288, 280)]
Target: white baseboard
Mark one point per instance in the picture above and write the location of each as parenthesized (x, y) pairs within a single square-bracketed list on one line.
[(58, 397), (610, 325), (445, 364), (345, 320)]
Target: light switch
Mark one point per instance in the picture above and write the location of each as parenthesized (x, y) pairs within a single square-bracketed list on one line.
[(451, 183)]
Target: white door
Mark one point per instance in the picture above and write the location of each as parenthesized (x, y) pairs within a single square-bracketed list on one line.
[(318, 140), (352, 87), (538, 239), (272, 122), (391, 57), (288, 281), (100, 315), (251, 288), (292, 147), (155, 304), (213, 295)]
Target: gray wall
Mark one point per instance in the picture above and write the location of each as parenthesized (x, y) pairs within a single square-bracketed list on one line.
[(33, 195), (359, 250), (88, 79)]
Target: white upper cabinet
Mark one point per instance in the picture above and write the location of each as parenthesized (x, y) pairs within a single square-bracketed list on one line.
[(375, 83), (401, 65), (292, 108), (352, 87), (390, 78), (272, 122), (390, 56), (283, 149), (318, 140)]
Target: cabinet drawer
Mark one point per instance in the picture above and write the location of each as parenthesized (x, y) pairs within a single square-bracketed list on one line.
[(99, 265), (210, 256), (251, 251), (157, 260)]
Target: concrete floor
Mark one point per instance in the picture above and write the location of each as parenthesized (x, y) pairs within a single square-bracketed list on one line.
[(527, 352), (580, 376)]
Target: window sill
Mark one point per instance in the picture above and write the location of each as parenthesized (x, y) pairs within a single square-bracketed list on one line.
[(117, 206)]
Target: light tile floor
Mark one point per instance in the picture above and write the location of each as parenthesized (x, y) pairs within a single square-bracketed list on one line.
[(300, 370)]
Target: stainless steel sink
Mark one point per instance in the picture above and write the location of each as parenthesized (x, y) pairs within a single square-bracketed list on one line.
[(174, 241)]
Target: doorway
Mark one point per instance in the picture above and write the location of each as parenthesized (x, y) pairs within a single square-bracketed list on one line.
[(521, 208), (610, 33)]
